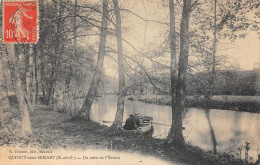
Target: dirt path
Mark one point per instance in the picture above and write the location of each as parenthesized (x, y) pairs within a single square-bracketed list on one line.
[(59, 130)]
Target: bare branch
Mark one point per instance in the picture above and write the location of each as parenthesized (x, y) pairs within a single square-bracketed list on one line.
[(146, 20)]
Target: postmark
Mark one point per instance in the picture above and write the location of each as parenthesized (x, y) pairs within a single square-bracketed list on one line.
[(20, 21)]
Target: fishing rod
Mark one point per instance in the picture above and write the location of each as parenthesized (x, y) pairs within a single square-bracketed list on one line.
[(104, 121)]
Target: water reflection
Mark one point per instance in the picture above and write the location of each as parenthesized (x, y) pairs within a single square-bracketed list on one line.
[(212, 132), (230, 129)]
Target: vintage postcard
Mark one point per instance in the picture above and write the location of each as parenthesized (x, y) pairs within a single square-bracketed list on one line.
[(137, 82)]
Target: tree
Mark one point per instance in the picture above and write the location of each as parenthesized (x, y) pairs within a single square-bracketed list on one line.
[(121, 71), (173, 46), (85, 109), (24, 54), (176, 136), (57, 52), (35, 74), (230, 20), (213, 81), (26, 123), (4, 102), (74, 23)]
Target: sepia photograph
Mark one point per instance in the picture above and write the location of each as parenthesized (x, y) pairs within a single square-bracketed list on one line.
[(130, 82)]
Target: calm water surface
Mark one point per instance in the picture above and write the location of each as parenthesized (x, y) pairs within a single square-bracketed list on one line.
[(232, 129)]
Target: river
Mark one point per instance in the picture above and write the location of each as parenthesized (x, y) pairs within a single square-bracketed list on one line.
[(231, 129)]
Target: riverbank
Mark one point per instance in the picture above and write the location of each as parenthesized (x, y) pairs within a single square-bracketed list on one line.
[(52, 129), (234, 103)]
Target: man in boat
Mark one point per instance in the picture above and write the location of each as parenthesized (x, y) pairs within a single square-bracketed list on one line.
[(130, 123), (137, 119)]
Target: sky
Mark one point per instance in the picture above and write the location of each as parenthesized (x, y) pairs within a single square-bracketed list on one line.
[(244, 54)]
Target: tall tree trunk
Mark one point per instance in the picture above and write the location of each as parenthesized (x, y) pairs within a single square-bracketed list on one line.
[(84, 111), (10, 69), (26, 80), (176, 134), (173, 39), (75, 29), (36, 85), (4, 102), (74, 24), (27, 71), (50, 88), (32, 71), (41, 55), (28, 102), (121, 71), (5, 78), (23, 68), (213, 81), (26, 123), (57, 51), (42, 72), (29, 74)]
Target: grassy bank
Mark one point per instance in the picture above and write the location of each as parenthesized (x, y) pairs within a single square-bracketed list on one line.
[(234, 103), (57, 130)]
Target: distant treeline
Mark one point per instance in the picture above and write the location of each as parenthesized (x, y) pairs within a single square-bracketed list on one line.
[(228, 82)]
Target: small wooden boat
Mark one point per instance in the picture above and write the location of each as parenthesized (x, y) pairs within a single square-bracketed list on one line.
[(145, 125)]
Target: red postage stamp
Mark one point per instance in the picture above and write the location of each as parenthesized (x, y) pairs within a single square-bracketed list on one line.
[(20, 23)]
